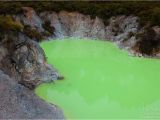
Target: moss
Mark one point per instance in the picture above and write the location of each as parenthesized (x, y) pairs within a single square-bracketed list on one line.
[(7, 23), (32, 33)]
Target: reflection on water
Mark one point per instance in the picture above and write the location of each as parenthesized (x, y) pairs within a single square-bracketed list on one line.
[(101, 81)]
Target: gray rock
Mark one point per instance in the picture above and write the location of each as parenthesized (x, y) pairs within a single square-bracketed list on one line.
[(18, 102), (59, 32), (29, 17), (73, 24), (98, 29), (26, 62)]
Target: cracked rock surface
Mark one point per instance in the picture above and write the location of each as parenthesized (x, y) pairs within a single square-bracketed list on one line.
[(18, 102), (24, 66)]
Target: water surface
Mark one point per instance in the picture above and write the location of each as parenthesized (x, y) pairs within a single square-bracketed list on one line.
[(101, 81)]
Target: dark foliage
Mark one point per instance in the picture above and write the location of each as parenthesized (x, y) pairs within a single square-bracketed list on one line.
[(32, 33), (7, 23), (148, 11), (149, 42)]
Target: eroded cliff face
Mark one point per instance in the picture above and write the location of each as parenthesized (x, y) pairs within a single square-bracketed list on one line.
[(123, 30), (74, 24), (24, 60)]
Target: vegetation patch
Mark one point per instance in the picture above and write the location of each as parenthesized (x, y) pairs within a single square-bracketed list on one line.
[(32, 33), (149, 12), (7, 23), (149, 42)]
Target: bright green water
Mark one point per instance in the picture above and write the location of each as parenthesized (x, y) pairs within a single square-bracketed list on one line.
[(101, 81)]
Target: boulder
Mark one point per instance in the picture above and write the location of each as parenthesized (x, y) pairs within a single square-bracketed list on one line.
[(18, 102)]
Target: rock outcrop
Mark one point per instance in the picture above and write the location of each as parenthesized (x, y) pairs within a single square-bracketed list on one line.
[(123, 30), (18, 102), (24, 66), (73, 24), (24, 60)]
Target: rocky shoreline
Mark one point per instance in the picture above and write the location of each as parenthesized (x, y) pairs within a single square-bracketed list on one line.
[(23, 61), (125, 31)]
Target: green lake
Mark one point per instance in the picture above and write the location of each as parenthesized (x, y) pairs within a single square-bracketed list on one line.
[(101, 81)]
